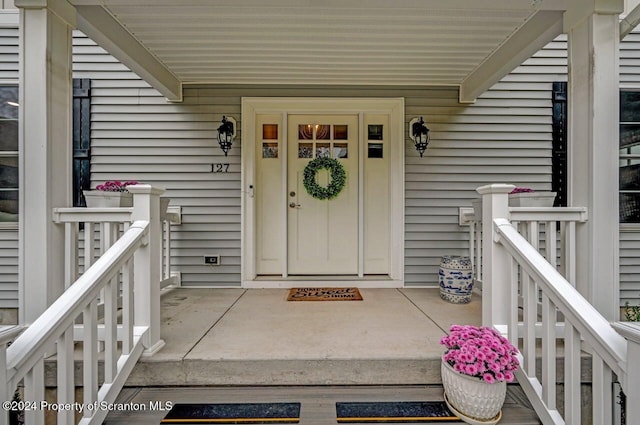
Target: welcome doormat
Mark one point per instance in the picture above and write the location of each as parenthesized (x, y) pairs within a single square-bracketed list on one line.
[(234, 413), (395, 412), (324, 294)]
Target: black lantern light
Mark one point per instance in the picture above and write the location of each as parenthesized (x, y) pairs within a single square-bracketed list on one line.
[(226, 133), (419, 133)]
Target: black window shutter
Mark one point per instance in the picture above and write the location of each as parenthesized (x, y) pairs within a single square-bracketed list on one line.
[(559, 146), (81, 139)]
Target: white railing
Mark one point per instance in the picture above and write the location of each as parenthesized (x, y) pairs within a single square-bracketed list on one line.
[(128, 275), (7, 335), (89, 232), (551, 230), (526, 298)]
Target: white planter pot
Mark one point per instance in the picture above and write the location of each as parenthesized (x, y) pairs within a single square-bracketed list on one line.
[(101, 199), (525, 199), (472, 396), (532, 199)]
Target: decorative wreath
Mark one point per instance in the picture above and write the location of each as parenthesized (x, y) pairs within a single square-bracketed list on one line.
[(338, 178)]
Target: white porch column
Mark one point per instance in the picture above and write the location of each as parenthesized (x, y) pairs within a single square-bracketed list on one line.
[(45, 149), (593, 33)]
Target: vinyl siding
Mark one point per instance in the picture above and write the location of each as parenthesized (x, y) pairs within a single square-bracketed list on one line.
[(629, 264), (504, 137)]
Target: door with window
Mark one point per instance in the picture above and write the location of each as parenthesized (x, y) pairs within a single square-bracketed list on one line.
[(322, 233)]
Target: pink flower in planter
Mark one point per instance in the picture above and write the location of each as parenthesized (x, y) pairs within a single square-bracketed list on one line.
[(115, 186), (480, 352), (522, 190)]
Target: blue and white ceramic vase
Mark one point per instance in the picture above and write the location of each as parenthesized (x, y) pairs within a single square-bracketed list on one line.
[(456, 279)]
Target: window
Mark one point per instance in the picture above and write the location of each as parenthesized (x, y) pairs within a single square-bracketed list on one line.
[(8, 153), (630, 156)]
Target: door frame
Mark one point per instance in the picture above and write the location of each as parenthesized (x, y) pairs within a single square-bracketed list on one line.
[(251, 107)]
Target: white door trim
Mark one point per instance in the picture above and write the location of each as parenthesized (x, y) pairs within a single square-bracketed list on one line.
[(251, 107)]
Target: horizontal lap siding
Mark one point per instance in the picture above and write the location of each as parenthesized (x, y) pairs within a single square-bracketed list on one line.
[(505, 137), (629, 265), (136, 134)]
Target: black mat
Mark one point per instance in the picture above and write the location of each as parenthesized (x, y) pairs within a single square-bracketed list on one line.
[(234, 413), (395, 412)]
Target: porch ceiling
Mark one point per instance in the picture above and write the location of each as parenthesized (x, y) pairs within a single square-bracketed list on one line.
[(324, 42)]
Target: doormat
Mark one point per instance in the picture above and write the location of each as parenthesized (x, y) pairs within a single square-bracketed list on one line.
[(234, 413), (395, 412), (324, 294)]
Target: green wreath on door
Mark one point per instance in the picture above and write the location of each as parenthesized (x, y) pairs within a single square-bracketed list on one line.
[(338, 178)]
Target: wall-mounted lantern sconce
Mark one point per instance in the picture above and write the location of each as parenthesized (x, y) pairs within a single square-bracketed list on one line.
[(419, 133), (226, 134)]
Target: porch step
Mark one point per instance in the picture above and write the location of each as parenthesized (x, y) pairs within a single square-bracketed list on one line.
[(317, 402), (296, 372), (257, 337)]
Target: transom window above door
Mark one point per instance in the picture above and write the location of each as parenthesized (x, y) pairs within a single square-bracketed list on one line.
[(323, 141)]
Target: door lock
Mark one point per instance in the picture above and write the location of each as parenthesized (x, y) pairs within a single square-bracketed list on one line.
[(292, 193)]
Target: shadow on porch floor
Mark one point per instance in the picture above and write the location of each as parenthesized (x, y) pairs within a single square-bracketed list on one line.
[(256, 337)]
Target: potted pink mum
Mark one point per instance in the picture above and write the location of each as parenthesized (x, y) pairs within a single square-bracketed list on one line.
[(476, 367), (112, 193), (527, 197)]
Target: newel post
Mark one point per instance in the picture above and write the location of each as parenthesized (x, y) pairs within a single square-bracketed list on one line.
[(631, 331), (495, 260), (146, 264)]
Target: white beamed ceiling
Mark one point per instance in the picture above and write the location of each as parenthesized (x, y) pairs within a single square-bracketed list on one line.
[(317, 42)]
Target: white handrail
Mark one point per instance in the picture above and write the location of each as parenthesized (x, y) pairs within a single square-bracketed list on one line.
[(593, 327), (527, 298), (33, 343), (25, 358), (7, 335)]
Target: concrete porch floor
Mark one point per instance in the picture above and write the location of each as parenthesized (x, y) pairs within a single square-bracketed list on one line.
[(257, 337)]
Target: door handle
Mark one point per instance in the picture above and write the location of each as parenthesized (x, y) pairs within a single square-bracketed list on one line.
[(294, 205)]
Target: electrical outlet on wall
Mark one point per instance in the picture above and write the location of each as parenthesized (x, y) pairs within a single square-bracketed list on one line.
[(212, 260)]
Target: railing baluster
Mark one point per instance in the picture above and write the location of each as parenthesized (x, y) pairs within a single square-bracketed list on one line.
[(570, 243), (479, 253), (551, 243), (90, 355), (71, 254), (89, 244), (572, 397), (66, 385), (34, 393), (167, 249), (513, 297), (602, 391), (548, 352), (563, 249), (530, 317), (127, 307), (111, 329)]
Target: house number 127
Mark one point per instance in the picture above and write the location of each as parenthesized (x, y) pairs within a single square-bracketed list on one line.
[(219, 168)]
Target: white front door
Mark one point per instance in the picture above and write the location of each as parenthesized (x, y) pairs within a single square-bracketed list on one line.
[(292, 238), (322, 233)]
